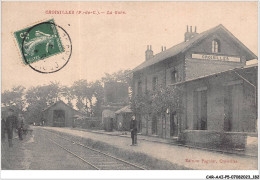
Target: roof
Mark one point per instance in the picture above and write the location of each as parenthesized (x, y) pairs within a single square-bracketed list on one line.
[(126, 109), (218, 73), (57, 103), (78, 116), (184, 46)]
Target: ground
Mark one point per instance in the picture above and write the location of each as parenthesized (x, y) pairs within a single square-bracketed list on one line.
[(36, 151)]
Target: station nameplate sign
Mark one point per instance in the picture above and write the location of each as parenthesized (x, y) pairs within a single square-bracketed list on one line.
[(215, 57)]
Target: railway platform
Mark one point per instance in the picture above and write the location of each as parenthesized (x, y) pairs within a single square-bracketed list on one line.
[(251, 149), (182, 157)]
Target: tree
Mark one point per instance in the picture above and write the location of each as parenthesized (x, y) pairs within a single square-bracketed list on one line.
[(98, 96), (83, 92), (164, 98), (157, 102), (67, 94), (36, 98), (15, 97), (141, 104), (40, 97), (119, 76), (90, 91), (53, 91), (78, 91)]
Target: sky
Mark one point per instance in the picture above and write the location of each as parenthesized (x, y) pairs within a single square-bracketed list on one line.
[(106, 43)]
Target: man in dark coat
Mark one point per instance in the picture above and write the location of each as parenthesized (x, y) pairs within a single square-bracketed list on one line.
[(20, 123), (3, 129), (11, 122), (133, 128)]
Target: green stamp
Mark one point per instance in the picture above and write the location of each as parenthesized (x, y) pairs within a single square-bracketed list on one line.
[(39, 42)]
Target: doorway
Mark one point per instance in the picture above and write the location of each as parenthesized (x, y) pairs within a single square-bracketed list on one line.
[(58, 118), (232, 100), (173, 125), (154, 125)]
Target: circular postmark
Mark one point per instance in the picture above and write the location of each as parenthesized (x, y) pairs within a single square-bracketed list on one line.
[(46, 47)]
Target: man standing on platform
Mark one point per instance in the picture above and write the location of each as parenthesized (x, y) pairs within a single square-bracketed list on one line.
[(3, 128), (133, 128), (11, 122), (20, 124)]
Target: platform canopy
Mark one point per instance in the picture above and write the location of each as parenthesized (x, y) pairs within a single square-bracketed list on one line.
[(126, 109)]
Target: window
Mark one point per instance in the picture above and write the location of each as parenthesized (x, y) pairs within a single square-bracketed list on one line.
[(215, 46), (155, 83), (139, 88), (200, 109), (174, 77)]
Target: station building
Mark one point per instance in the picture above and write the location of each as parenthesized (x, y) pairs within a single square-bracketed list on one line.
[(219, 90)]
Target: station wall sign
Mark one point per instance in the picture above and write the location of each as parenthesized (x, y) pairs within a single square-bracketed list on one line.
[(215, 57)]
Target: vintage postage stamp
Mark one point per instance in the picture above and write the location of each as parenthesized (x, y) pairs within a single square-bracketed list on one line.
[(39, 42)]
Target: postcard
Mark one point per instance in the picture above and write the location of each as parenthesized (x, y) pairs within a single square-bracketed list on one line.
[(99, 85)]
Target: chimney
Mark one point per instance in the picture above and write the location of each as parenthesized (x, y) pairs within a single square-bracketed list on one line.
[(148, 52), (188, 35), (163, 48)]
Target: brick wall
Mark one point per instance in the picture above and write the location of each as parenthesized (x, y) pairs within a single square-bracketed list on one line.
[(244, 121), (197, 67), (214, 139), (162, 71)]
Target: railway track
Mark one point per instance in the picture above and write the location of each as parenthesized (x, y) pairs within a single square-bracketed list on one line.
[(96, 159)]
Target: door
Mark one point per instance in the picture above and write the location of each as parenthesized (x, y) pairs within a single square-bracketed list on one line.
[(228, 109), (232, 105), (154, 125), (173, 125), (58, 118), (200, 110), (139, 123)]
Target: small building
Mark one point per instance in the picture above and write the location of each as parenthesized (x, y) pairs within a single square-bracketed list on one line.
[(108, 117), (60, 114), (220, 110), (123, 118)]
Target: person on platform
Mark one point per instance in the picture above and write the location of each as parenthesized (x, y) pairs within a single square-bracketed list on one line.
[(133, 128), (20, 124), (11, 122), (3, 128)]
